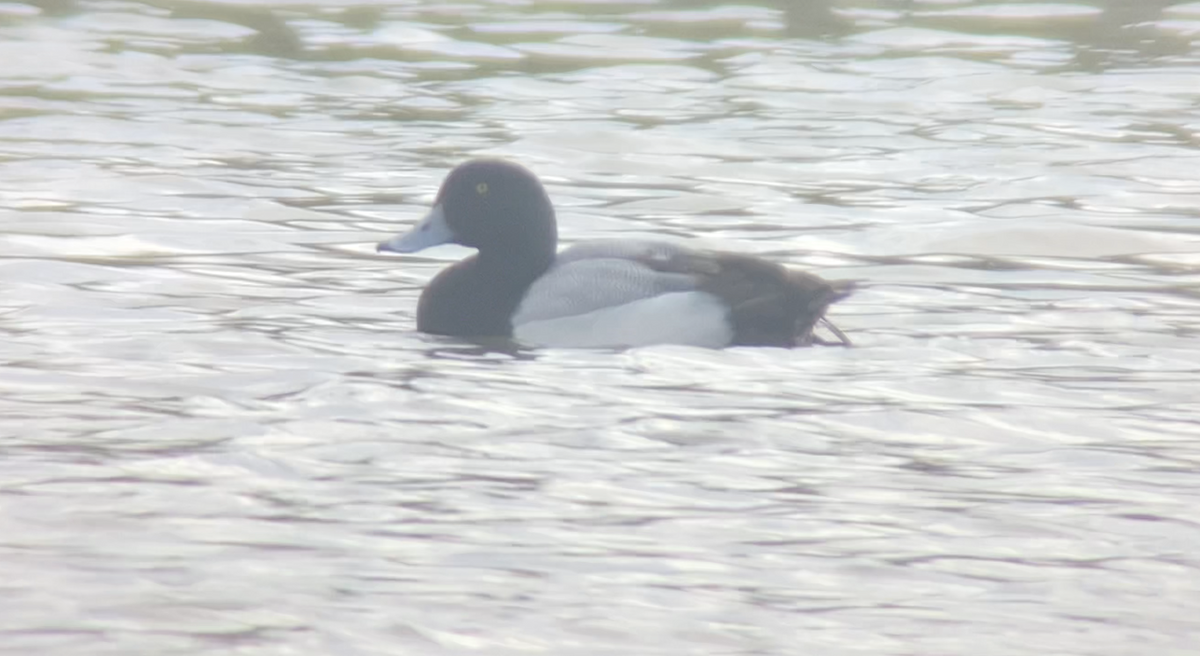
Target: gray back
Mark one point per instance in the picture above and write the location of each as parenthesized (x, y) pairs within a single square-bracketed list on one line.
[(602, 274)]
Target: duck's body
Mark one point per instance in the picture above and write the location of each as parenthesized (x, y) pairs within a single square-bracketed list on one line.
[(609, 293)]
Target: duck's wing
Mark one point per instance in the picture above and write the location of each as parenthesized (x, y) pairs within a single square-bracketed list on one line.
[(671, 293), (604, 274)]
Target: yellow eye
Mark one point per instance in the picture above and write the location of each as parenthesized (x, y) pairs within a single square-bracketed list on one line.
[(481, 188)]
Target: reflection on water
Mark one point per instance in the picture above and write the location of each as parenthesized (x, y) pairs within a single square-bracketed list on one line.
[(221, 432)]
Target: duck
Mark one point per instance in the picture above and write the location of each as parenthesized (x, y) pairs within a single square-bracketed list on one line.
[(607, 293)]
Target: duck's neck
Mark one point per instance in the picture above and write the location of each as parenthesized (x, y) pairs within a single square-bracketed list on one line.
[(515, 265), (524, 253)]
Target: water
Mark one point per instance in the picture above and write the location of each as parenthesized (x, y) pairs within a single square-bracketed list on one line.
[(221, 434)]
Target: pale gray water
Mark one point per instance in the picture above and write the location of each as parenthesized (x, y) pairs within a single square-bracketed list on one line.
[(221, 435)]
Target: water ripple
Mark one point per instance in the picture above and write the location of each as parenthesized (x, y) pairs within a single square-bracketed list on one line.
[(222, 433)]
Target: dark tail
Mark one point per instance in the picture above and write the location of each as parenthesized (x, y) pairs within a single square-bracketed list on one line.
[(838, 290)]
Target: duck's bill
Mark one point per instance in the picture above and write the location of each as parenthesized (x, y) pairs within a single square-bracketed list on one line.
[(429, 231)]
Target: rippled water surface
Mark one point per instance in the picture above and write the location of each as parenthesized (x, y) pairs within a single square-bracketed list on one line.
[(221, 433)]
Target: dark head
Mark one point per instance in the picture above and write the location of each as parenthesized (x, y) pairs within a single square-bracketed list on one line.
[(495, 206)]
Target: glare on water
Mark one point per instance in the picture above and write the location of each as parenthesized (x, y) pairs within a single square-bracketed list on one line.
[(221, 432)]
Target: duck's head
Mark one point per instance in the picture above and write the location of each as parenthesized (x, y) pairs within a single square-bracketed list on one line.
[(488, 204)]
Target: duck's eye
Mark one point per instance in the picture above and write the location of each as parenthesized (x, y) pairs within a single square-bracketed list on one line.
[(481, 188)]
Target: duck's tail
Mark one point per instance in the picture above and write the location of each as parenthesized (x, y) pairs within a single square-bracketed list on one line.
[(838, 290)]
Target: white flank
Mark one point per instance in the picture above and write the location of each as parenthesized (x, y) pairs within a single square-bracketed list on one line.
[(690, 318)]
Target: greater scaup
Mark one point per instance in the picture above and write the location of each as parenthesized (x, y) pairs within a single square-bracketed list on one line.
[(606, 293)]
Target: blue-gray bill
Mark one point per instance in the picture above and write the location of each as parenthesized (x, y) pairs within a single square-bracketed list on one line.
[(430, 231)]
